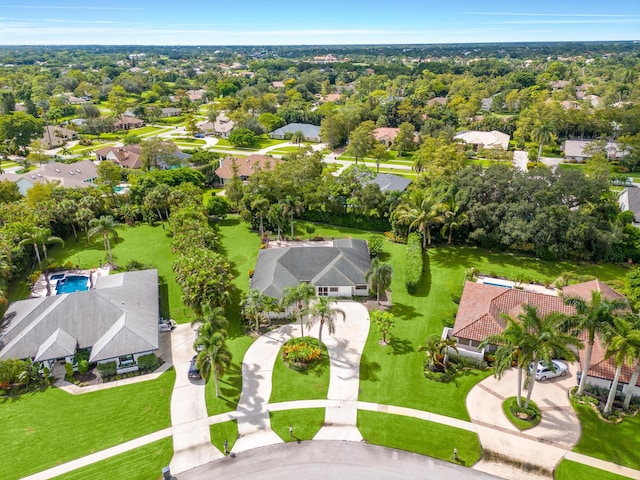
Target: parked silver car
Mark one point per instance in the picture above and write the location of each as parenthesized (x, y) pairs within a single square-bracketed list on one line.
[(557, 369)]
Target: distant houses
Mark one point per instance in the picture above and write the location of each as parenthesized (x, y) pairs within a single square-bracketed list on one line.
[(126, 122), (582, 150), (310, 132), (481, 140), (244, 167), (55, 136)]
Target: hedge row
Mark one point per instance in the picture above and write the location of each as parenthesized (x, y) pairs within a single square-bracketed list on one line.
[(413, 266)]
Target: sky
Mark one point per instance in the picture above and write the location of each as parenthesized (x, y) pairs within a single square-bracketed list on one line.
[(300, 22)]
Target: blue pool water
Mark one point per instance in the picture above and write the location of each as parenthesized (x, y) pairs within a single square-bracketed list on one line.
[(73, 283), (498, 285), (57, 276)]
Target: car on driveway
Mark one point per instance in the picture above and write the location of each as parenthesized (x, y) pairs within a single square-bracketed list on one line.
[(194, 373), (557, 369)]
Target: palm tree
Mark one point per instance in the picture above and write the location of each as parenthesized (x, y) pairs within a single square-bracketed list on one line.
[(261, 206), (212, 319), (297, 137), (300, 295), (291, 206), (45, 237), (324, 311), (30, 237), (255, 306), (624, 347), (214, 357), (421, 211), (83, 216), (39, 236), (594, 316), (543, 134), (452, 218), (105, 226), (276, 217), (380, 276)]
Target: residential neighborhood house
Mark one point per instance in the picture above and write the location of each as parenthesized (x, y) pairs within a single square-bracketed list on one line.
[(480, 316), (391, 183), (116, 321), (127, 122), (629, 200), (479, 140), (220, 128), (55, 136), (245, 167), (170, 112), (335, 269), (128, 156), (77, 175), (311, 132), (582, 150)]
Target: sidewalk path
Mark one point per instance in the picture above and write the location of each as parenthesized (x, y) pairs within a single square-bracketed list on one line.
[(191, 436)]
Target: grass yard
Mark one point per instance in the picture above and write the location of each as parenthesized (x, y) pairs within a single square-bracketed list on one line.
[(148, 130), (568, 470), (224, 431), (139, 464), (311, 384), (419, 436), (144, 243), (261, 142), (305, 422), (50, 427), (613, 443), (240, 246), (210, 192)]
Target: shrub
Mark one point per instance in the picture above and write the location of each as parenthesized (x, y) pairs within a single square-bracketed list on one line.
[(414, 265), (68, 369), (107, 369), (375, 245), (310, 229), (134, 265), (303, 350), (83, 366), (148, 362)]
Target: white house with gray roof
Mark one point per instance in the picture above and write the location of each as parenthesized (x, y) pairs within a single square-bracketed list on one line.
[(311, 132), (629, 200), (335, 269), (116, 321)]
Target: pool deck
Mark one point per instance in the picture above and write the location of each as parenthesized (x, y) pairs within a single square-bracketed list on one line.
[(40, 287), (528, 287)]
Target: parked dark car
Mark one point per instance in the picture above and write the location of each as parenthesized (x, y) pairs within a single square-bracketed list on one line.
[(194, 373)]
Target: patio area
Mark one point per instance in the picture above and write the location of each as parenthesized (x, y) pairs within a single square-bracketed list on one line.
[(40, 288)]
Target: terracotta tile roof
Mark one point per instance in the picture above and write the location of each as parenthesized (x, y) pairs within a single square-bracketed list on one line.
[(605, 369), (246, 166), (127, 156), (583, 290), (386, 134)]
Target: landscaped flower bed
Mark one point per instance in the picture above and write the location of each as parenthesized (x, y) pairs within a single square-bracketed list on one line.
[(301, 353)]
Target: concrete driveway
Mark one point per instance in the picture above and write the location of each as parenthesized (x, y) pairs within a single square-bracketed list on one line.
[(538, 449), (189, 418)]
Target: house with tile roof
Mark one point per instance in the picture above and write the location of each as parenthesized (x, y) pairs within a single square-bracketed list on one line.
[(127, 156), (56, 136), (220, 128), (483, 305), (478, 139), (311, 132), (127, 122), (115, 321), (73, 175), (244, 167), (336, 268)]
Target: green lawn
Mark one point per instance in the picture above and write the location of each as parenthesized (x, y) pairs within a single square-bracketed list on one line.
[(419, 436), (148, 130), (51, 427), (291, 385), (613, 443), (139, 464), (224, 431), (210, 192), (240, 247), (144, 243), (261, 142), (305, 423), (485, 162), (568, 470)]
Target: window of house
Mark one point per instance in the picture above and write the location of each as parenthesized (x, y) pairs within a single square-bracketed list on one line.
[(126, 360), (323, 291), (361, 287), (333, 289)]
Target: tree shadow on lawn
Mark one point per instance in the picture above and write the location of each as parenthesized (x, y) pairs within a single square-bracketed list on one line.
[(403, 312), (400, 346), (369, 369)]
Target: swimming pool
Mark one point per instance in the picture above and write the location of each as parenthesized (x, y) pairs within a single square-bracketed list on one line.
[(497, 285), (72, 283)]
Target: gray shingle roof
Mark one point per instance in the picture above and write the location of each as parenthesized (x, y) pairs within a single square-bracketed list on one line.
[(629, 199), (308, 130), (118, 317), (390, 183), (343, 264)]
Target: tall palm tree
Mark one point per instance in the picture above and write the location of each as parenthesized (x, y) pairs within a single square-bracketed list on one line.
[(105, 226), (214, 357), (276, 217), (380, 276), (261, 206), (593, 316), (45, 237), (255, 306), (30, 237), (543, 134), (212, 319), (452, 218), (420, 211), (624, 346), (39, 236), (291, 206), (325, 311), (83, 216), (300, 295)]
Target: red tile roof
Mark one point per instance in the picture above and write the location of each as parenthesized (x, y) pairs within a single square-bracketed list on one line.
[(605, 369), (583, 290), (246, 166)]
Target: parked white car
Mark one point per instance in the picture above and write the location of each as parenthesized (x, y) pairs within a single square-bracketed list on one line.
[(558, 369), (166, 324)]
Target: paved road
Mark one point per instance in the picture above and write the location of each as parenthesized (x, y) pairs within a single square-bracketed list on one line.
[(332, 459)]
